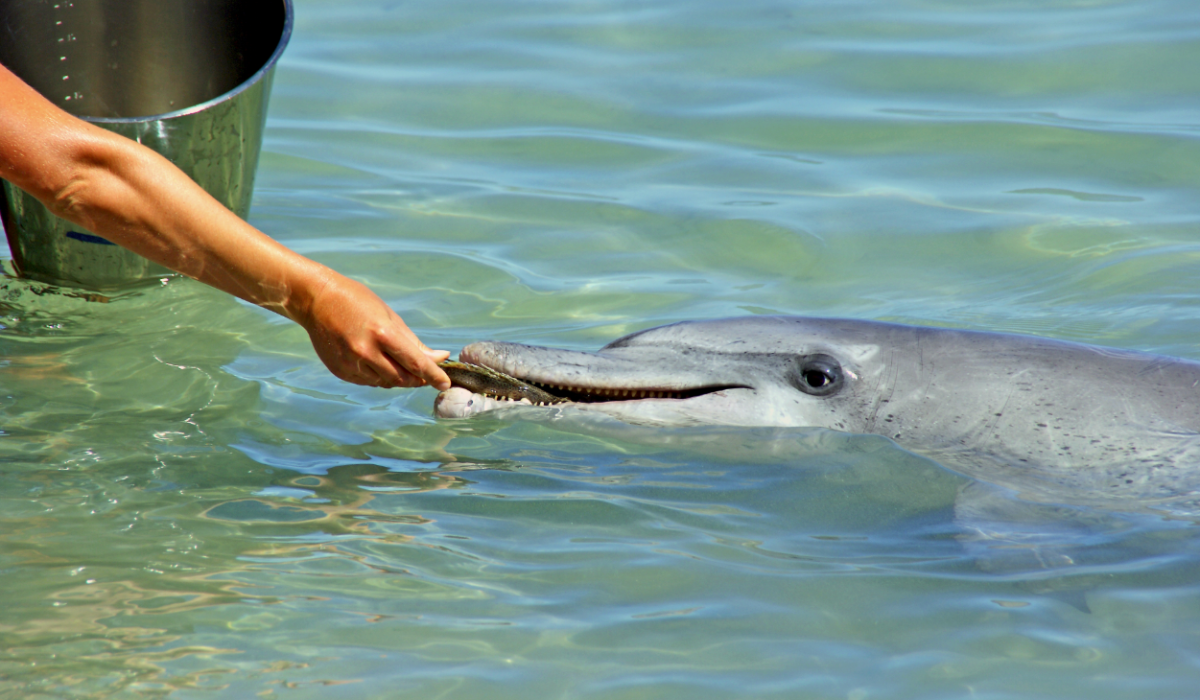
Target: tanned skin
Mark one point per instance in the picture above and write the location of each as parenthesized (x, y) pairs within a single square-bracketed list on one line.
[(134, 197)]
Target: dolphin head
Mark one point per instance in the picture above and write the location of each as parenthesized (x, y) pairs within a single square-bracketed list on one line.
[(1031, 414), (760, 371)]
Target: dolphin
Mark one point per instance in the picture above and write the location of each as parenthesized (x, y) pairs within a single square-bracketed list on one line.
[(1042, 417)]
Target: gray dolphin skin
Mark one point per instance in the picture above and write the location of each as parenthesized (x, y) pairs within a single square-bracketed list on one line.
[(996, 406)]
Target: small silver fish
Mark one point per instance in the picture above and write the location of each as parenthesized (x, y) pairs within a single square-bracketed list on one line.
[(497, 385)]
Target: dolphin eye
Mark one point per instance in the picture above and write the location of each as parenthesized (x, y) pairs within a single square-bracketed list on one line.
[(817, 378), (819, 375)]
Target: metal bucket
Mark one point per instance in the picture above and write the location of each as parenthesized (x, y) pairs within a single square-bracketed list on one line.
[(188, 78)]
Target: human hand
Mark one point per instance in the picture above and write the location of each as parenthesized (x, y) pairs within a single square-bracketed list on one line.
[(135, 198), (361, 340)]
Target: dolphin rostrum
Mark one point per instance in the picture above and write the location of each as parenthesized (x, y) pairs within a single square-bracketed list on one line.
[(1003, 408)]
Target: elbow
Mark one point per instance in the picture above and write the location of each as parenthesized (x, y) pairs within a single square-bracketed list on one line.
[(68, 200), (77, 189)]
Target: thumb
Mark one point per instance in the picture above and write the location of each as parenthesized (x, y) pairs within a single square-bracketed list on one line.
[(435, 355)]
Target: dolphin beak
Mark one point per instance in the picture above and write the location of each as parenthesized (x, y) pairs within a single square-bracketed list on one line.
[(512, 371)]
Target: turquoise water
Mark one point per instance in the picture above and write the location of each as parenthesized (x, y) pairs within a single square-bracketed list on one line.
[(192, 507)]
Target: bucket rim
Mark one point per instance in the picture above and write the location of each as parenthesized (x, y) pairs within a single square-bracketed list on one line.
[(246, 84)]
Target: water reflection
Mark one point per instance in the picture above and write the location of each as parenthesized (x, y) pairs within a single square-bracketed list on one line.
[(335, 503), (73, 610)]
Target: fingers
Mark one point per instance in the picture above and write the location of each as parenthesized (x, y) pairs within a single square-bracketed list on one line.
[(387, 375), (415, 364), (435, 355), (368, 361), (362, 340)]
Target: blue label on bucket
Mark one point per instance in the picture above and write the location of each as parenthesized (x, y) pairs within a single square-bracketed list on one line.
[(88, 238)]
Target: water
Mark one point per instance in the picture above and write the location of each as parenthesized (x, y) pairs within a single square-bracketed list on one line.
[(192, 507)]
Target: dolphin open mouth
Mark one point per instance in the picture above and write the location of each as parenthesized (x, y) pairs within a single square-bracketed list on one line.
[(546, 377), (495, 384)]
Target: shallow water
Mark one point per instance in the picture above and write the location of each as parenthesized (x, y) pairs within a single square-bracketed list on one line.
[(193, 507)]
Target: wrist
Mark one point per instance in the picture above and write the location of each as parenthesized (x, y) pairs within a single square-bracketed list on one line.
[(308, 292)]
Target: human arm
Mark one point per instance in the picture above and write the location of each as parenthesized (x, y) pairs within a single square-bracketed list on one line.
[(137, 199)]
